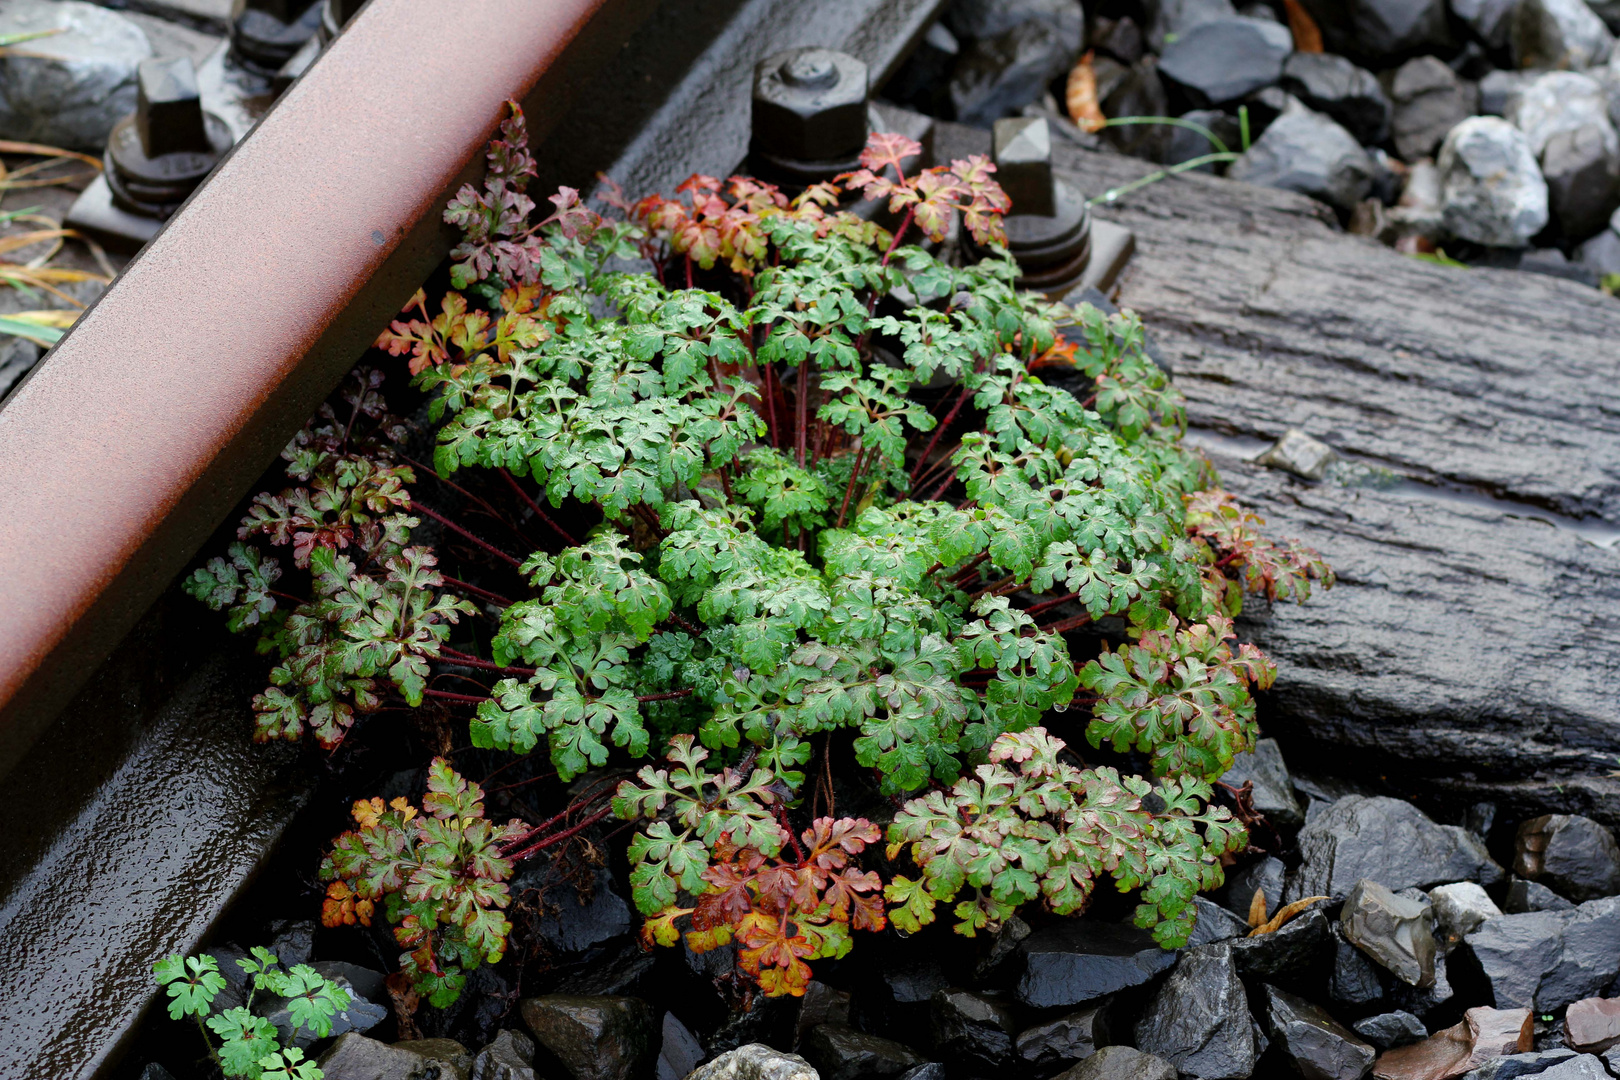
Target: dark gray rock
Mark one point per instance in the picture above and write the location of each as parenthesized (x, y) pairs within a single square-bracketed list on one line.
[(1573, 855), (154, 1071), (1289, 949), (679, 1051), (68, 88), (1490, 20), (360, 1015), (1523, 896), (975, 20), (355, 1057), (1459, 910), (1121, 1063), (1071, 963), (1581, 1067), (1334, 86), (1497, 89), (1318, 1046), (1549, 261), (595, 1038), (972, 1030), (1267, 874), (1545, 960), (438, 1059), (1391, 1029), (1184, 144), (1226, 59), (1354, 982), (1199, 1020), (17, 358), (1003, 951), (1120, 38), (1428, 99), (1215, 923), (1435, 1003), (1307, 152), (293, 942), (571, 925), (839, 1052), (619, 974), (928, 1070), (509, 1057), (1067, 1039), (1513, 1066), (1137, 92), (1168, 20), (1601, 255), (1582, 169), (821, 1004), (756, 1061), (995, 77), (1558, 34), (1393, 930), (1391, 842), (1381, 31)]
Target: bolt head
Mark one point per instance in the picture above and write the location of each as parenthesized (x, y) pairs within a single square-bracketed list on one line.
[(168, 108), (810, 105), (1022, 150)]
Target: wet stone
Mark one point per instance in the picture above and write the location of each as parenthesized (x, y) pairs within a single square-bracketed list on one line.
[(1574, 855), (1383, 30), (1307, 152), (1214, 923), (360, 1015), (1428, 99), (1484, 1035), (1334, 86), (1460, 909), (821, 1004), (1267, 875), (355, 1057), (570, 925), (1556, 34), (972, 1029), (1064, 1040), (1226, 59), (1183, 145), (1121, 1063), (756, 1061), (1393, 930), (1593, 1024), (1318, 1046), (1523, 896), (1548, 959), (1513, 1066), (1168, 20), (1354, 982), (1015, 50), (1199, 1020), (1388, 1030), (928, 1070), (509, 1057), (679, 1051), (1309, 459), (839, 1052), (441, 1059), (1388, 840), (1288, 949), (595, 1038), (70, 87), (1077, 961)]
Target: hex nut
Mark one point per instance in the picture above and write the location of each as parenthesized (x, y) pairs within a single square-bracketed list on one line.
[(810, 105), (168, 108), (1022, 151)]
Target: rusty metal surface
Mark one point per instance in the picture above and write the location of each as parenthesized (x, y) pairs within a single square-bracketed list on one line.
[(134, 438)]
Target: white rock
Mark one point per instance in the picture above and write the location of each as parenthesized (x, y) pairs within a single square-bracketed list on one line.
[(1492, 191), (1556, 102), (1559, 34), (67, 89), (756, 1061), (1460, 909)]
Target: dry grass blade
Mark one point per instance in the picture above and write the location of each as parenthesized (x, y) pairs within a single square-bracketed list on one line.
[(1287, 912), (1257, 908), (41, 327), (7, 146), (1080, 96), (28, 239), (1307, 36)]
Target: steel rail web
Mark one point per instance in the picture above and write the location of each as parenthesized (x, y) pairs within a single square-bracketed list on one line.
[(135, 436)]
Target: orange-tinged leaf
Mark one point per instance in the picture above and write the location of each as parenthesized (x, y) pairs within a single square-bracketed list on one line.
[(1307, 35), (1080, 96), (1282, 916), (1257, 908)]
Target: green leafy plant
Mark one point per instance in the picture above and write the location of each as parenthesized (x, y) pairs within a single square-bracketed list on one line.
[(248, 1045), (439, 875), (842, 499)]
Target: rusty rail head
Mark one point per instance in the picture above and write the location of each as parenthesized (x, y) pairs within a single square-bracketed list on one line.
[(134, 438)]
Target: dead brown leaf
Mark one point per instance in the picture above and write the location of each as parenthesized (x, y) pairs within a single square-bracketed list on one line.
[(1257, 908), (1080, 96), (1286, 912), (1307, 36)]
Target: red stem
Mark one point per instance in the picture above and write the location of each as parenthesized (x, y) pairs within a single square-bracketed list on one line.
[(447, 523), (467, 586), (453, 486), (1073, 623), (539, 513), (465, 699), (905, 223), (557, 838), (1047, 605), (950, 418), (781, 819), (665, 697), (455, 656), (802, 392), (849, 489)]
